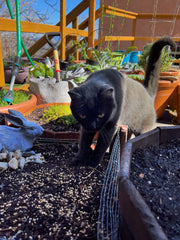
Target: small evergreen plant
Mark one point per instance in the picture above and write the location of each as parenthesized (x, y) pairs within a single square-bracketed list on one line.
[(61, 113)]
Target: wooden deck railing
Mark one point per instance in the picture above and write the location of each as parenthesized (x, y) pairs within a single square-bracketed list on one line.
[(77, 29)]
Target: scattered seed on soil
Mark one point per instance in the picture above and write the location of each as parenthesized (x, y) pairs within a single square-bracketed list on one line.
[(156, 174), (53, 200)]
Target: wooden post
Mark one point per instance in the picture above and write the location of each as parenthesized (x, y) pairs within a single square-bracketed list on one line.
[(75, 25), (2, 81), (63, 29), (91, 25)]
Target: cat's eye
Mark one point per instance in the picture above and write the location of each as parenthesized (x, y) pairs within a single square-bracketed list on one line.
[(82, 116), (101, 115)]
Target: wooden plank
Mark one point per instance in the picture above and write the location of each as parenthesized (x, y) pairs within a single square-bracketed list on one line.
[(63, 29), (2, 79), (119, 38), (75, 26), (91, 25), (115, 12), (118, 10), (30, 27)]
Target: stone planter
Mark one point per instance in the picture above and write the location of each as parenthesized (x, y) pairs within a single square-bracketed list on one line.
[(134, 210), (47, 90)]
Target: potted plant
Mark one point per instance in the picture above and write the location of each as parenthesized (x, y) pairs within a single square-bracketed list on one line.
[(23, 101), (168, 80), (22, 76)]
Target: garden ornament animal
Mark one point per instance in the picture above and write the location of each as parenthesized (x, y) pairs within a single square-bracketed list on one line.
[(21, 136)]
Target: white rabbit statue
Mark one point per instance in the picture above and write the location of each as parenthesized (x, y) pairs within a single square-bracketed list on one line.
[(22, 138)]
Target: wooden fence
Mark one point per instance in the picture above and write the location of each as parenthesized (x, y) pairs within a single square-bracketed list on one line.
[(77, 29)]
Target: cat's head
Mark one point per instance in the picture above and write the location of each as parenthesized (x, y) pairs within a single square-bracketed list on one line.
[(92, 106)]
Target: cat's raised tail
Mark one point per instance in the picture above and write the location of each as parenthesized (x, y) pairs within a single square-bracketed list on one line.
[(153, 64)]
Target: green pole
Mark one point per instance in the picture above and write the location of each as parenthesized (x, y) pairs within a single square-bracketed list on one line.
[(22, 43), (18, 26)]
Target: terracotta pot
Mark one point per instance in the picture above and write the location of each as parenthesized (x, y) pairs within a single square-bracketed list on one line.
[(134, 210), (165, 90), (22, 76), (174, 102), (169, 73), (24, 108)]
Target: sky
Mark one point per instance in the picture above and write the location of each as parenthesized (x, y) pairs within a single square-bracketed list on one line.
[(70, 4)]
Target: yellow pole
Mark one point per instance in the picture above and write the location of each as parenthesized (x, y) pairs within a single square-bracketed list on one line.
[(75, 25), (2, 81), (63, 29), (91, 25)]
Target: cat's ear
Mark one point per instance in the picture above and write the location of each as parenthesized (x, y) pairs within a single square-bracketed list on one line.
[(74, 94), (107, 92)]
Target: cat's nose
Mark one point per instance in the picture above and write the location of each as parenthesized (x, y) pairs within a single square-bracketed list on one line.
[(93, 126)]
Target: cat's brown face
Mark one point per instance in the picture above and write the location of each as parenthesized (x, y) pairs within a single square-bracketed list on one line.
[(92, 108)]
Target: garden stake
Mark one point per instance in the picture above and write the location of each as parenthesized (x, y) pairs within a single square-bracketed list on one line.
[(55, 45)]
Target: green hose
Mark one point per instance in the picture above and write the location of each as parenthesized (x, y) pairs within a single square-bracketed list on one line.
[(22, 43), (9, 95)]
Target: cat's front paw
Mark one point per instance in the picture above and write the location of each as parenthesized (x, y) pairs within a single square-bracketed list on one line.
[(77, 161), (94, 161), (82, 159)]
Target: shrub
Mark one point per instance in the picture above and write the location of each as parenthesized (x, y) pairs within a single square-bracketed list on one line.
[(61, 113)]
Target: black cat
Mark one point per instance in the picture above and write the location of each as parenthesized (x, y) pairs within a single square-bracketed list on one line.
[(109, 98)]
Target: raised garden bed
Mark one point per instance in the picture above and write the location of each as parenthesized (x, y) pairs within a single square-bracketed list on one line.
[(53, 200), (139, 212)]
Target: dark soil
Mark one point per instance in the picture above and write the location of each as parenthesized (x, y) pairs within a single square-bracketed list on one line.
[(53, 200), (156, 175)]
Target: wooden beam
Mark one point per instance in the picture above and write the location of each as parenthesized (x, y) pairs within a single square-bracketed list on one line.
[(30, 27), (119, 12), (2, 78), (91, 25), (63, 29), (75, 26), (119, 38)]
